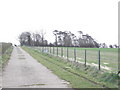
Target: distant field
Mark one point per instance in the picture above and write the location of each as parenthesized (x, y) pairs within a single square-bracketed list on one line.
[(109, 56)]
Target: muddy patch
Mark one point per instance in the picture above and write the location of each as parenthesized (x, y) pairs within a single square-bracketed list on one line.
[(32, 85)]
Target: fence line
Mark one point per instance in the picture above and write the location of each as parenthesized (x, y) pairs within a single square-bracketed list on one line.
[(48, 49), (84, 56)]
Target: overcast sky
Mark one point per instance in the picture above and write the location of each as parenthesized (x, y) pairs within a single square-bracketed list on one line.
[(98, 18)]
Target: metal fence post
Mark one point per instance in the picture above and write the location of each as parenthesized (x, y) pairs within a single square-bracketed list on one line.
[(75, 54), (67, 53), (50, 49), (42, 48), (61, 51), (47, 49), (57, 50), (85, 57), (53, 50), (99, 59)]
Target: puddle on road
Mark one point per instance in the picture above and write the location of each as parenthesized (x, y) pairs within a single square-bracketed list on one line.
[(21, 57), (19, 52)]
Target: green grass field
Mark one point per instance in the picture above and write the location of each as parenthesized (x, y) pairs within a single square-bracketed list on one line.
[(109, 56)]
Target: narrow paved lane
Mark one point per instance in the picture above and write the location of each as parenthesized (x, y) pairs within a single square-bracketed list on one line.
[(23, 71)]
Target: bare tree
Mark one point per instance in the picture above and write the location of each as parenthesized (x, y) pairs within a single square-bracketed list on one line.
[(55, 32), (42, 37)]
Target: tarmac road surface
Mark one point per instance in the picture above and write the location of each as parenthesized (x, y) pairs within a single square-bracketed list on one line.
[(23, 71)]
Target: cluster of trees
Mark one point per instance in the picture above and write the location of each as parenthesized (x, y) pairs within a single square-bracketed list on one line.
[(62, 38), (114, 46), (67, 38), (32, 39), (103, 45)]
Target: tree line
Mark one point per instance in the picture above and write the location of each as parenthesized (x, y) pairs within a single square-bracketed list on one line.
[(62, 38)]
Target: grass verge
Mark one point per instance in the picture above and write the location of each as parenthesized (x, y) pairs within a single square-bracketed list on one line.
[(5, 57), (77, 75)]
